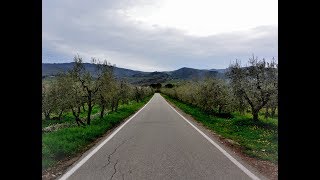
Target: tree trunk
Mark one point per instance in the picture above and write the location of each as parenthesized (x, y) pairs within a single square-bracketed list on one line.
[(112, 105), (76, 115), (255, 114), (83, 108), (102, 111), (116, 105), (89, 108), (47, 115), (266, 115), (242, 110), (78, 120), (241, 107), (60, 115), (273, 111), (137, 97), (220, 109), (89, 114)]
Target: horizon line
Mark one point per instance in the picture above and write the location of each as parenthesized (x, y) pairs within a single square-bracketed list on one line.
[(136, 70)]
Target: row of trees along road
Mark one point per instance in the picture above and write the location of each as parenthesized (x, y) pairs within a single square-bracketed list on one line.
[(253, 87), (78, 88)]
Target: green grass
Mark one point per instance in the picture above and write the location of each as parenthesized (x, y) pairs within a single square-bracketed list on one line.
[(66, 142), (257, 139)]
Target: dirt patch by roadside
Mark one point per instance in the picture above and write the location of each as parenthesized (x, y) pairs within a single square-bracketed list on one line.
[(266, 168)]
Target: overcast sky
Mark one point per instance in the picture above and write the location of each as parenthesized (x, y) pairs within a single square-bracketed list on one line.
[(160, 35)]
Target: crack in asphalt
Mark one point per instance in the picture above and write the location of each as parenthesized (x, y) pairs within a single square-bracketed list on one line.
[(122, 174), (115, 169), (109, 156)]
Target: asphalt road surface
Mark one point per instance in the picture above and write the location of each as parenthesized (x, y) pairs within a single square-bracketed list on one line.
[(157, 143)]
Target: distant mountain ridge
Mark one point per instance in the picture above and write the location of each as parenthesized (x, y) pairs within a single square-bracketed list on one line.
[(139, 77), (55, 68)]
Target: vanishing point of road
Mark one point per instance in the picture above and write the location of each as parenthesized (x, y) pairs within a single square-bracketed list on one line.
[(158, 143)]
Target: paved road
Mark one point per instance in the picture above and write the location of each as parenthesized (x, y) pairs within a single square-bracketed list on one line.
[(157, 143)]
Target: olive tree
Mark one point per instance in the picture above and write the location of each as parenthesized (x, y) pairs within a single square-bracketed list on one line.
[(60, 89), (214, 95), (221, 96), (255, 83), (188, 92), (115, 97), (205, 96), (52, 100), (124, 91), (238, 102), (47, 101), (138, 93), (75, 98), (105, 91), (272, 104), (90, 84)]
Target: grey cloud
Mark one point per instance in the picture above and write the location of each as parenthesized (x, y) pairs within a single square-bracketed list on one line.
[(98, 28)]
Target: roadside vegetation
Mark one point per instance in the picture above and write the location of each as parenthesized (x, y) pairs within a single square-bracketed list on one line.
[(78, 107), (68, 142), (242, 108)]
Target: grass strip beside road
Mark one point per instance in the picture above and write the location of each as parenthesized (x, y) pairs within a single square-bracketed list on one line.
[(256, 139), (68, 142)]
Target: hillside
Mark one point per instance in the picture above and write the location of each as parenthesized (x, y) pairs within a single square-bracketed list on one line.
[(190, 73), (139, 77), (53, 69)]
